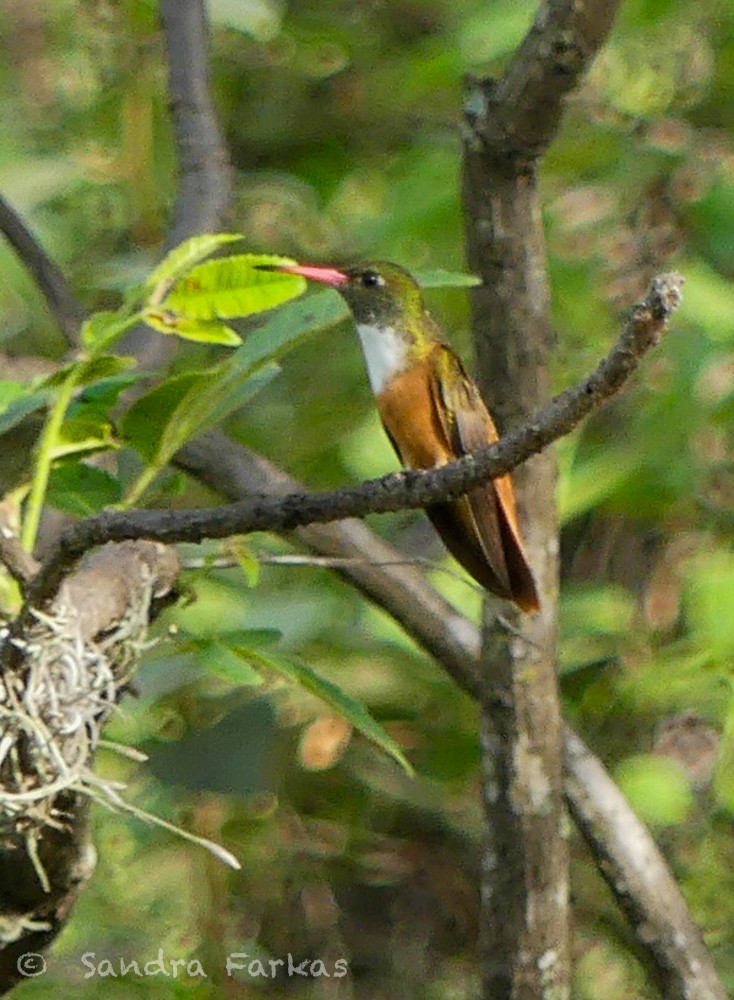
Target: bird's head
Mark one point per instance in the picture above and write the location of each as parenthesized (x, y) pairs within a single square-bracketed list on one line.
[(378, 294)]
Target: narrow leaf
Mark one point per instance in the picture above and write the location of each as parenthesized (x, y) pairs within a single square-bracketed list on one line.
[(227, 663), (288, 326), (10, 391), (146, 420), (350, 708), (96, 400), (250, 637), (247, 560), (163, 421), (90, 370), (100, 326), (436, 277), (18, 409), (228, 394)]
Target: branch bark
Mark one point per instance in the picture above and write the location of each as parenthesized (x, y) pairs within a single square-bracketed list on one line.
[(515, 119), (21, 565), (62, 303), (204, 200), (399, 491), (510, 122), (641, 881)]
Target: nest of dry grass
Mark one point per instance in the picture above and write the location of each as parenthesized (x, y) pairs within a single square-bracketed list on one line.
[(53, 707)]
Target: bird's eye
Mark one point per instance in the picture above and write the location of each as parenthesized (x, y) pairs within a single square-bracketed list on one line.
[(371, 279)]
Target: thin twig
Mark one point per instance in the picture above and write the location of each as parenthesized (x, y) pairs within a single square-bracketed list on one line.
[(20, 564), (327, 562), (66, 309), (642, 331)]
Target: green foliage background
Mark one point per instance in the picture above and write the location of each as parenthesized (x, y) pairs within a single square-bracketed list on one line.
[(344, 123)]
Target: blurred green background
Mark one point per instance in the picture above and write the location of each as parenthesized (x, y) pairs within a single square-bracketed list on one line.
[(343, 119)]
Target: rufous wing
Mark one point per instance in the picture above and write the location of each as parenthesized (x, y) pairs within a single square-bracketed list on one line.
[(480, 529)]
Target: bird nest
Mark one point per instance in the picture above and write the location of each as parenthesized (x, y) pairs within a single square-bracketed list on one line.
[(54, 702)]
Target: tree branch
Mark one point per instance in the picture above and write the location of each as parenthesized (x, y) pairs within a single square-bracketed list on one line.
[(204, 200), (64, 306), (643, 329), (21, 565), (516, 118), (402, 590), (641, 881)]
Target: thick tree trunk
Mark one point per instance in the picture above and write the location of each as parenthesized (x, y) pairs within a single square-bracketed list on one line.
[(510, 123), (525, 869)]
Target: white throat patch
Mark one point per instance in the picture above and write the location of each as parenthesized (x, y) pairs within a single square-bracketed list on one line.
[(385, 352)]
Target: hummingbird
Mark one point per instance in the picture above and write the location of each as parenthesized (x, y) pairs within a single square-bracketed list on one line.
[(433, 414)]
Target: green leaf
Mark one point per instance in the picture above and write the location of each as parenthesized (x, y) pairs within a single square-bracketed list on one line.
[(80, 436), (145, 422), (606, 610), (710, 597), (589, 481), (81, 490), (657, 788), (100, 326), (90, 370), (288, 326), (17, 400), (229, 664), (175, 264), (232, 286), (250, 637), (227, 394), (96, 400), (724, 775), (248, 561), (436, 277), (204, 331), (709, 301), (161, 422), (350, 708), (11, 391), (223, 654)]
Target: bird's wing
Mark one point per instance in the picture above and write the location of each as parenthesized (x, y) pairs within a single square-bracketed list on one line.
[(489, 511)]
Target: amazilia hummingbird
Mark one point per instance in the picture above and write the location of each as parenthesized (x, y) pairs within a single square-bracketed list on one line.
[(433, 414)]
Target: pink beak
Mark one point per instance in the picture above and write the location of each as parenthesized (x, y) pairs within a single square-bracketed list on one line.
[(326, 275)]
